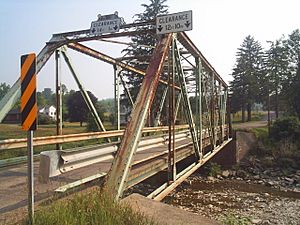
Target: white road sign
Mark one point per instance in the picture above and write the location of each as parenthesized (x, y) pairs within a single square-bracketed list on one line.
[(175, 22), (105, 26)]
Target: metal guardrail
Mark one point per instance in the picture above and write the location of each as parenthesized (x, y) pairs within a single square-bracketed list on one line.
[(60, 139), (56, 162)]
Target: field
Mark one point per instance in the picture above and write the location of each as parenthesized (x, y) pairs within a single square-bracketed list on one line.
[(14, 131), (255, 116)]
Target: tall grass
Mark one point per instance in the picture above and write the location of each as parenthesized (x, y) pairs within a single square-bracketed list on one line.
[(90, 208)]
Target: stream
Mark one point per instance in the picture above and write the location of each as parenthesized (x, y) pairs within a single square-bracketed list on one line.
[(219, 197)]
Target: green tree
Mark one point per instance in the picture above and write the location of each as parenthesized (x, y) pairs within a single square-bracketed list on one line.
[(77, 108), (3, 89), (143, 44), (292, 86), (248, 74), (277, 68), (41, 101)]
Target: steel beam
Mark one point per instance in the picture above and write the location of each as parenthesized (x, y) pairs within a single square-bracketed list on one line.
[(198, 73), (58, 95), (98, 55), (161, 105), (118, 174), (191, 47), (117, 96), (187, 104)]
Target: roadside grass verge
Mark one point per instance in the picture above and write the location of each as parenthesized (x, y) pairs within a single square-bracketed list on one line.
[(88, 208)]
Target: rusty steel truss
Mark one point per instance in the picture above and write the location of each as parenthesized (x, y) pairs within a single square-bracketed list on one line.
[(193, 94)]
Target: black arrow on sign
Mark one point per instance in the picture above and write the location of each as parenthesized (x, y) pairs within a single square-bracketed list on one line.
[(116, 27), (93, 31), (187, 24), (159, 28)]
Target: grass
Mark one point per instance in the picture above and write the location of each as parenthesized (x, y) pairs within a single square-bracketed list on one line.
[(88, 208), (255, 116), (261, 132), (12, 131)]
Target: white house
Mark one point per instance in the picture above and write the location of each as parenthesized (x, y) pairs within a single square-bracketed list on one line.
[(49, 111)]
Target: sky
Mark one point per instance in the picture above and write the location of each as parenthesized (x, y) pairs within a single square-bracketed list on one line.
[(219, 27)]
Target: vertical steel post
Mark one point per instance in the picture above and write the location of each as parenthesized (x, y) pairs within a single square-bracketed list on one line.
[(187, 104), (178, 104), (199, 101), (171, 145), (30, 176), (126, 88), (161, 105), (170, 71), (58, 96), (229, 121), (117, 96), (212, 106), (173, 107)]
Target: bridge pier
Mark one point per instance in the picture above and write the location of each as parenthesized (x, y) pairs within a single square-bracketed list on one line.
[(236, 150)]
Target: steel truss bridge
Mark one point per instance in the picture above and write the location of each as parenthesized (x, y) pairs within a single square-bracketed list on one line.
[(143, 148)]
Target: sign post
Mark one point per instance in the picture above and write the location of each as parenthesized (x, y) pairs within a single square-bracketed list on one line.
[(29, 119), (175, 22)]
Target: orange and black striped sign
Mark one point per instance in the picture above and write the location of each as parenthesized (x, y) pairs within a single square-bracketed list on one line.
[(28, 92)]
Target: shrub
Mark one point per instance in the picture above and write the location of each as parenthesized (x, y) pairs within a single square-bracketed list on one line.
[(91, 124), (286, 128), (44, 119), (213, 169)]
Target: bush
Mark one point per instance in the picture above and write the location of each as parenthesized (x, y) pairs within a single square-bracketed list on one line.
[(287, 128), (214, 169), (44, 119), (91, 124)]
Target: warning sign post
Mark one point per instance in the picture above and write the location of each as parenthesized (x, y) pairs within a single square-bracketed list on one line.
[(29, 119)]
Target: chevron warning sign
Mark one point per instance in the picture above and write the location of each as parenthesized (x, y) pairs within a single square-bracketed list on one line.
[(28, 92)]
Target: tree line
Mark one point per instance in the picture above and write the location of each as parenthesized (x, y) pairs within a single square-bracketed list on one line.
[(272, 74), (74, 107)]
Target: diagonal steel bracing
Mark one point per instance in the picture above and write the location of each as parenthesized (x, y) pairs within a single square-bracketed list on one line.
[(83, 92), (118, 174), (188, 109)]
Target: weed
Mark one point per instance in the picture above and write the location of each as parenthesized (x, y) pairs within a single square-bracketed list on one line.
[(214, 169), (230, 219), (91, 208)]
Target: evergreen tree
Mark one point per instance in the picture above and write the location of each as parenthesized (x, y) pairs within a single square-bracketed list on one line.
[(248, 75), (292, 86), (277, 68), (4, 88), (143, 44)]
